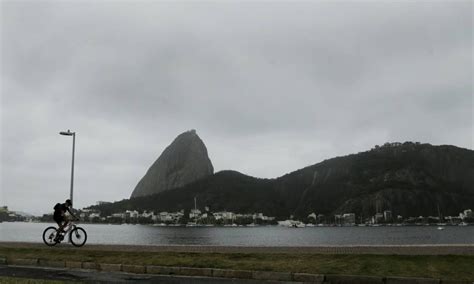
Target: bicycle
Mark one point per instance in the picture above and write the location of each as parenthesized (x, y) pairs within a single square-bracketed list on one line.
[(77, 235)]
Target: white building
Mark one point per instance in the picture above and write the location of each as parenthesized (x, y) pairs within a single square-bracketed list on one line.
[(94, 215), (195, 213), (349, 218), (165, 216), (119, 215), (146, 214), (132, 214), (466, 214), (224, 215)]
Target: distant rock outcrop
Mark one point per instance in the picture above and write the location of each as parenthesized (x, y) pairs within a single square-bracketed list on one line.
[(182, 162)]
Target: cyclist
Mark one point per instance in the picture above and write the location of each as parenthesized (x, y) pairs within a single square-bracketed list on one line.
[(60, 210)]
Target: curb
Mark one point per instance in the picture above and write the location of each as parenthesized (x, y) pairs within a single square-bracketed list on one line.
[(356, 279), (51, 263), (73, 264), (164, 270), (110, 267), (396, 280), (138, 269), (90, 265), (270, 275), (225, 273)]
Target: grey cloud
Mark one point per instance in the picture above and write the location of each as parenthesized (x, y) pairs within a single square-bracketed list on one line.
[(270, 86)]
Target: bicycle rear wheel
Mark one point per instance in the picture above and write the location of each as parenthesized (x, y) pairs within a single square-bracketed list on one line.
[(49, 236), (78, 236)]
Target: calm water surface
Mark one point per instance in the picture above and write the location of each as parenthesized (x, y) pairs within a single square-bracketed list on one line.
[(249, 236)]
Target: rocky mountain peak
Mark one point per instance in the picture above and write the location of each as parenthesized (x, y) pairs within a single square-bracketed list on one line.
[(185, 160)]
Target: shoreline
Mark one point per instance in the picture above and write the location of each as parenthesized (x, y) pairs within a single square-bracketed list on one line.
[(306, 225), (424, 249)]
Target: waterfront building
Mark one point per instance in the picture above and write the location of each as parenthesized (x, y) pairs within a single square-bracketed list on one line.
[(146, 214), (131, 214), (378, 218), (94, 217), (466, 214), (119, 215), (195, 213), (165, 217), (349, 218), (224, 215)]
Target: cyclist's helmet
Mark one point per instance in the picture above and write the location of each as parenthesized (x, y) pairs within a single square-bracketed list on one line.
[(69, 202)]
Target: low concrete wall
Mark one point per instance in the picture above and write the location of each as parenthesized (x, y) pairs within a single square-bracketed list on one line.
[(51, 263), (192, 271), (23, 261), (306, 277), (227, 273), (270, 275), (397, 280), (74, 264), (90, 265), (230, 273), (354, 279), (166, 270), (110, 267), (139, 269)]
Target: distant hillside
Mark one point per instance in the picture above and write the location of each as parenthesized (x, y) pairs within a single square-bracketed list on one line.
[(410, 179)]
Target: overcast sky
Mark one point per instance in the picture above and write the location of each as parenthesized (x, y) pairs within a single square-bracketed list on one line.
[(270, 87)]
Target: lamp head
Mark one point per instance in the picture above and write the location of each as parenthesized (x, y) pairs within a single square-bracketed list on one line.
[(68, 133)]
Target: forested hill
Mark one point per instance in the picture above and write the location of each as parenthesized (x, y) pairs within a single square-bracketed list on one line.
[(410, 179), (225, 190)]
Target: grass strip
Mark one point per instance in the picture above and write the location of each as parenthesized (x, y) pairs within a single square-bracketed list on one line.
[(453, 267)]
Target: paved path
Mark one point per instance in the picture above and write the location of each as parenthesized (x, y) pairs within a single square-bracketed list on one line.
[(462, 249), (82, 275)]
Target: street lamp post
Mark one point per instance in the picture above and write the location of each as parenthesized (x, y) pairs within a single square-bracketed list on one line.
[(73, 134)]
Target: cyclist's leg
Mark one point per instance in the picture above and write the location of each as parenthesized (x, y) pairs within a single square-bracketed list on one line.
[(58, 220), (66, 222), (62, 223)]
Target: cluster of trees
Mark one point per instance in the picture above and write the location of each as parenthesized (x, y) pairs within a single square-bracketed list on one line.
[(9, 216)]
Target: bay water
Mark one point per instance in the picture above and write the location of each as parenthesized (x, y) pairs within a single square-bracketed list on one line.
[(249, 236)]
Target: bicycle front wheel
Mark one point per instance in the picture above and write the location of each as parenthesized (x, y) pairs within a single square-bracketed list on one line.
[(49, 236), (78, 237)]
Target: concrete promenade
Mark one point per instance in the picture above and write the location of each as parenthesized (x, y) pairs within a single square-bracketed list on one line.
[(36, 260), (451, 249)]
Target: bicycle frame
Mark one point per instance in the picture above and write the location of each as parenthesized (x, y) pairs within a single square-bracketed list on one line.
[(69, 227)]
